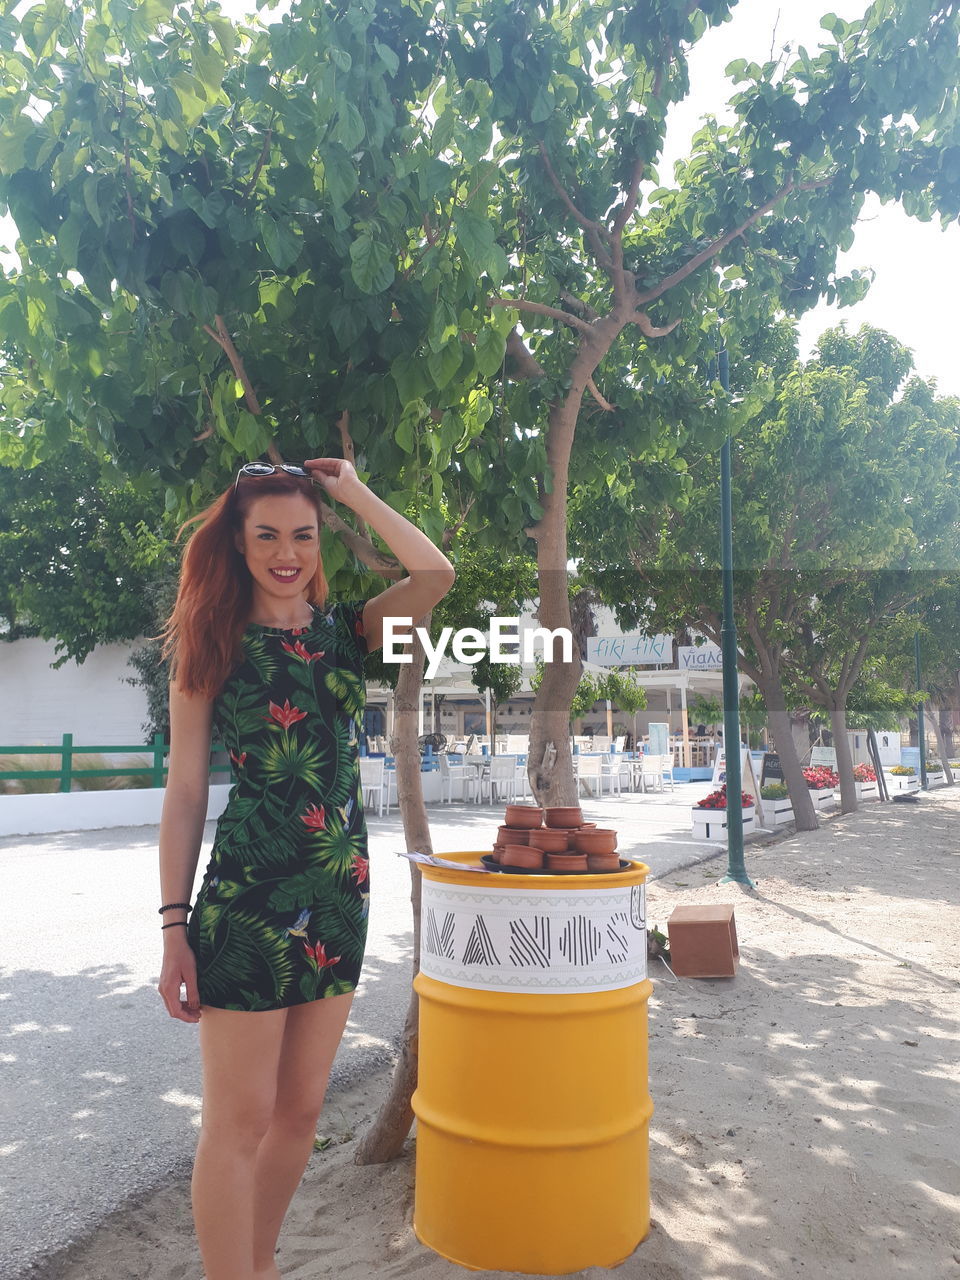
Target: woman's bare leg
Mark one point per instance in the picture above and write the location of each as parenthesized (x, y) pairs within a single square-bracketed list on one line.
[(241, 1056), (310, 1039)]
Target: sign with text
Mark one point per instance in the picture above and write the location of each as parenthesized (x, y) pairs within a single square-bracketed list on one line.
[(748, 777), (635, 650), (699, 657), (772, 770), (824, 755), (910, 758), (658, 737)]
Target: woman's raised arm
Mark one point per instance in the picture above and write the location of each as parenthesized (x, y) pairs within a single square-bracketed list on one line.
[(431, 574)]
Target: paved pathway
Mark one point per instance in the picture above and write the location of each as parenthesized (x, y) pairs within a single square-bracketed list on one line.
[(100, 1096)]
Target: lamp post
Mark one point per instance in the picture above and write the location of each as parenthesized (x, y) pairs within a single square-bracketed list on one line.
[(736, 868), (921, 732)]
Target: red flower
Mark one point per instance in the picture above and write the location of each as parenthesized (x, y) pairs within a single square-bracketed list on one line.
[(718, 800), (318, 954), (315, 817), (299, 650), (360, 868), (286, 715), (239, 760)]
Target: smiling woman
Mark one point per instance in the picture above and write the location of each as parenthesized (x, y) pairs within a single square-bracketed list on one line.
[(278, 927)]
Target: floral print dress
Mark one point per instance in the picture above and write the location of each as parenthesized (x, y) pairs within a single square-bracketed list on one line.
[(281, 915)]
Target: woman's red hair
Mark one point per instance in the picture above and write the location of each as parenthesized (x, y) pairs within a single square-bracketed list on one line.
[(203, 633)]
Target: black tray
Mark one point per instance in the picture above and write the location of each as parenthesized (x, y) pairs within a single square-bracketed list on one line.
[(491, 864)]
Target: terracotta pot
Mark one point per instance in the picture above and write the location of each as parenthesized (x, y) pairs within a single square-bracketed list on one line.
[(598, 841), (571, 862), (603, 862), (513, 835), (523, 816), (498, 852), (549, 841), (564, 816), (521, 855), (588, 826)]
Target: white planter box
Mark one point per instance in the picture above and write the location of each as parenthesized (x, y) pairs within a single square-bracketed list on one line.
[(900, 782), (822, 799), (936, 780), (865, 790), (711, 824), (776, 813)]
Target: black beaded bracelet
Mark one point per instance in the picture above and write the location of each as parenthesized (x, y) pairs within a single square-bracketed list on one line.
[(174, 924), (172, 906)]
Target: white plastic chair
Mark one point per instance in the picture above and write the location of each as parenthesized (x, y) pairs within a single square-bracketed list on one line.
[(651, 771), (590, 774), (451, 773), (610, 772), (666, 771), (372, 782), (501, 780)]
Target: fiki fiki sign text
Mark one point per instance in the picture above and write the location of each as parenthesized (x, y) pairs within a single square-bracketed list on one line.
[(504, 643)]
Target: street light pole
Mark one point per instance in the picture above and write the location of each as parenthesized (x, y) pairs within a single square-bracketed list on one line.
[(921, 732), (736, 868)]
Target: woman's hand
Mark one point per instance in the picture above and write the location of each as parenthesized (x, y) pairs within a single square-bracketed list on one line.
[(180, 969), (338, 477)]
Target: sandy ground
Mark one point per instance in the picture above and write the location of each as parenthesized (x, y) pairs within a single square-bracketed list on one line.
[(807, 1110)]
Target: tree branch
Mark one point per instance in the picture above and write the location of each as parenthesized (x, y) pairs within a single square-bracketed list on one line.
[(525, 363), (264, 152), (583, 309), (643, 323), (223, 340), (601, 401), (630, 203), (595, 232), (360, 546), (648, 295), (346, 440), (541, 309)]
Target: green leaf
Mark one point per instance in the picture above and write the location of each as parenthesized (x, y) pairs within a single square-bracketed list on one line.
[(191, 96), (489, 351), (280, 241), (349, 129), (387, 57), (372, 269), (340, 175), (476, 239), (90, 189), (443, 364), (226, 35), (68, 239), (406, 435)]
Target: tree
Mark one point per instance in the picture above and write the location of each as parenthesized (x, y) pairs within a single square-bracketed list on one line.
[(845, 493), (280, 245), (79, 552)]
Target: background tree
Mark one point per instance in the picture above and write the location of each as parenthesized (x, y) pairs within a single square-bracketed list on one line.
[(80, 548), (845, 492)]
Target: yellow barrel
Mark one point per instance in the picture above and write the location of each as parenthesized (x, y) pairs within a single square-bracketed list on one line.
[(532, 1103)]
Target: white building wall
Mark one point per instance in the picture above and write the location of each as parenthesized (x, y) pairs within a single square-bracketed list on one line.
[(38, 705)]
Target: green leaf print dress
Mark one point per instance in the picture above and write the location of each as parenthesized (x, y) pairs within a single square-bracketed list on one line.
[(281, 915)]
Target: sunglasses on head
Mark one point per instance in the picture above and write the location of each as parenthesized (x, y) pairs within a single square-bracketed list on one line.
[(267, 469)]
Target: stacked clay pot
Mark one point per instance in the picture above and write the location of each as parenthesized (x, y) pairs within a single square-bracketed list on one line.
[(565, 843)]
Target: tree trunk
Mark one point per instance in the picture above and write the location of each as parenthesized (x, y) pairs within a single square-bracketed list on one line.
[(804, 814), (385, 1138), (800, 732), (549, 759), (941, 745), (841, 744)]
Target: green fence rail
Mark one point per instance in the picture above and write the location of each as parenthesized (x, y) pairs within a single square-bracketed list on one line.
[(67, 750)]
